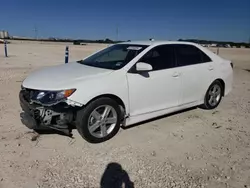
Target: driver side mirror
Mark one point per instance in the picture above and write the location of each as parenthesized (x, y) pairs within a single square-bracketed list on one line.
[(143, 67)]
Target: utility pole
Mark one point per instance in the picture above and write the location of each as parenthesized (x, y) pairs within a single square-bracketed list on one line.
[(36, 32), (117, 32)]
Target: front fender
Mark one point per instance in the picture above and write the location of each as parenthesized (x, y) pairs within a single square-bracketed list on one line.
[(114, 84)]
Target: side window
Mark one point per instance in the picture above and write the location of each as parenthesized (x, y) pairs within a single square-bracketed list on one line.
[(160, 57), (187, 55), (190, 55), (205, 58)]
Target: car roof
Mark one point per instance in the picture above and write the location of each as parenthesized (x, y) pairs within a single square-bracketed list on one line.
[(155, 43)]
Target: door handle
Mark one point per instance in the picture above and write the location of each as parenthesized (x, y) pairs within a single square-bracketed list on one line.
[(210, 68), (176, 74)]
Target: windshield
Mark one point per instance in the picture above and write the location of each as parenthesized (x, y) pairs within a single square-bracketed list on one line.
[(114, 57)]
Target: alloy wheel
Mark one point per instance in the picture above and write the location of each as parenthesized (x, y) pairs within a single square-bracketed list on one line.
[(214, 95), (102, 121)]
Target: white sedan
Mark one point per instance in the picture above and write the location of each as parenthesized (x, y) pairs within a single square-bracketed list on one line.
[(124, 84)]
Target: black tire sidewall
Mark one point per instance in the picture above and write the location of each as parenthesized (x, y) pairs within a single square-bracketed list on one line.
[(83, 116), (206, 103)]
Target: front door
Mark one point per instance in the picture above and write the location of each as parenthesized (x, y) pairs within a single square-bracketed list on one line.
[(158, 89)]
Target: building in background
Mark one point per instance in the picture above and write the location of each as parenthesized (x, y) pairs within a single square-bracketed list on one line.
[(4, 35)]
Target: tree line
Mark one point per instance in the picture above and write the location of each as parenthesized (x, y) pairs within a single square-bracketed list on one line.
[(219, 43)]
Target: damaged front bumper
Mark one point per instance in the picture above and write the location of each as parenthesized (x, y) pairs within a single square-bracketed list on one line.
[(36, 116)]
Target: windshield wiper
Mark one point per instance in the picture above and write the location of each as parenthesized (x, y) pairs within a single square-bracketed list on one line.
[(79, 61)]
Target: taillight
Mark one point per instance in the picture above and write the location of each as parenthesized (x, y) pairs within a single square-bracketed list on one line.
[(232, 65)]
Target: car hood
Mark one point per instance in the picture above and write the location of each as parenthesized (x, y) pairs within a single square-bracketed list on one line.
[(62, 76)]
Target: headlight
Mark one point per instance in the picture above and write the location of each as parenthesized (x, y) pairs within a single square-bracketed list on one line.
[(51, 97)]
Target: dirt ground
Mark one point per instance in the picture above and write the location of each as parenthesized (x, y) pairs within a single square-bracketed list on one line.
[(195, 148)]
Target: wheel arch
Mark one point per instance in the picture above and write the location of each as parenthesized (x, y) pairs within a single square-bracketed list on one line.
[(204, 105), (222, 83), (111, 96)]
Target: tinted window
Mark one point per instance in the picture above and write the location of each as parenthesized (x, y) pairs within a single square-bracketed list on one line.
[(187, 55), (190, 55), (160, 57), (205, 58)]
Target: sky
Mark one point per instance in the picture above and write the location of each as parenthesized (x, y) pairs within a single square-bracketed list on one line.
[(227, 20)]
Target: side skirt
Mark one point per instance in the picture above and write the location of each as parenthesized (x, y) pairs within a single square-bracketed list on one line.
[(131, 120)]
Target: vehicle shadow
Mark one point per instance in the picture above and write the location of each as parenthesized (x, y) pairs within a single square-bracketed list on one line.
[(157, 118), (248, 70), (67, 133), (115, 177)]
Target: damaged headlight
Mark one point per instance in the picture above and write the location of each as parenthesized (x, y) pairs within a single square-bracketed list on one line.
[(50, 97)]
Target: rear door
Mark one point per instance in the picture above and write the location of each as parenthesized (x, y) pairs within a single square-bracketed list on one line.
[(196, 70)]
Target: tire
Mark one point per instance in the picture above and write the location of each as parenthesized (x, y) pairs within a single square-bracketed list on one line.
[(91, 114), (207, 104)]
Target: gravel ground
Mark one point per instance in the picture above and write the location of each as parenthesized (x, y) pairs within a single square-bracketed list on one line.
[(195, 148)]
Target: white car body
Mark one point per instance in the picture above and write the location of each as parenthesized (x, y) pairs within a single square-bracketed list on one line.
[(144, 97)]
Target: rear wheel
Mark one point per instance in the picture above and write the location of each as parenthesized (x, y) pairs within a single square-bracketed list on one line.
[(99, 121), (213, 96)]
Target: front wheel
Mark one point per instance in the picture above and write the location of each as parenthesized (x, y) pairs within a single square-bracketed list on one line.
[(99, 121), (213, 96)]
